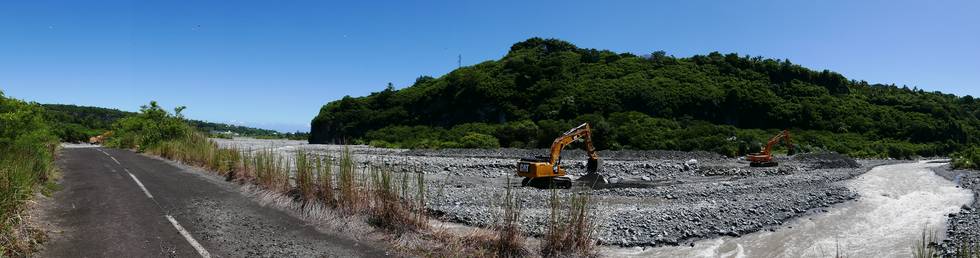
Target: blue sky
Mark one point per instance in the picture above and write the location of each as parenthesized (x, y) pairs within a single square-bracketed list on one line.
[(274, 63)]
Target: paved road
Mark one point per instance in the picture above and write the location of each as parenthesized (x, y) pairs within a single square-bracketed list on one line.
[(116, 203)]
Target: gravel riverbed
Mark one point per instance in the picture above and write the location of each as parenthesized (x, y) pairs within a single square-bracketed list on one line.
[(962, 228), (653, 198)]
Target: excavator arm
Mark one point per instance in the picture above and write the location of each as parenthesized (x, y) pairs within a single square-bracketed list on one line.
[(579, 132), (783, 136), (764, 157)]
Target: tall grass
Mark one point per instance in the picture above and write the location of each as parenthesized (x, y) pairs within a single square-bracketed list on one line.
[(22, 172), (924, 246), (510, 240), (349, 199), (324, 171), (571, 227), (391, 208), (271, 171), (304, 176)]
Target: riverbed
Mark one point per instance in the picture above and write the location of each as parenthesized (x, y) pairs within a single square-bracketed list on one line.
[(897, 204)]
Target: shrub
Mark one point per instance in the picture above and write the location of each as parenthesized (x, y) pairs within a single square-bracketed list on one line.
[(27, 149), (151, 126), (478, 140), (967, 159)]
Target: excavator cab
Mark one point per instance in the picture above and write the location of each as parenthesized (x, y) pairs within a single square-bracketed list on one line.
[(546, 171)]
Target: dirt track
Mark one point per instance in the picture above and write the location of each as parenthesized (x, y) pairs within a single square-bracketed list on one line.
[(655, 198)]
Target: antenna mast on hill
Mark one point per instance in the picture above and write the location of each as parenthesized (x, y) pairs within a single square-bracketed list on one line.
[(459, 61)]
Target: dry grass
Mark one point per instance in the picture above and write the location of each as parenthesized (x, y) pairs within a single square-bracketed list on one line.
[(510, 241), (391, 208), (571, 227)]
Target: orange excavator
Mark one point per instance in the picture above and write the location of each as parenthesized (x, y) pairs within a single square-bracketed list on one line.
[(546, 171), (764, 158)]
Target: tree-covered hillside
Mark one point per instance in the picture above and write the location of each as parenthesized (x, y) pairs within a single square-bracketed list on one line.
[(77, 123), (719, 102)]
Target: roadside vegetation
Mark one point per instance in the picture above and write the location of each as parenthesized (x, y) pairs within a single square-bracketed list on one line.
[(27, 148), (394, 202), (724, 103)]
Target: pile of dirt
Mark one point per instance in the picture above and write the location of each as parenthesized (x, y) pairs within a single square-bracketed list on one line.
[(827, 160)]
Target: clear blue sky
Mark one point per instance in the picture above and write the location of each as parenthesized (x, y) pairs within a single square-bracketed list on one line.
[(274, 63)]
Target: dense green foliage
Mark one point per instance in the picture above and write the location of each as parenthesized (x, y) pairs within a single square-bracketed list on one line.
[(152, 126), (77, 123), (721, 102), (26, 152), (967, 159)]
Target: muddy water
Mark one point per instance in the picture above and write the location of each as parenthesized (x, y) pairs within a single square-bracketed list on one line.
[(897, 202)]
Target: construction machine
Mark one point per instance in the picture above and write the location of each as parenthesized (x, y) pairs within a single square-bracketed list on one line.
[(764, 158), (546, 171)]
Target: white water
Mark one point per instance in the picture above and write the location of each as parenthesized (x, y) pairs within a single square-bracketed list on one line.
[(897, 202)]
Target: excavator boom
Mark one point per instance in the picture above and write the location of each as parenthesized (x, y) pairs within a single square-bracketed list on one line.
[(764, 157)]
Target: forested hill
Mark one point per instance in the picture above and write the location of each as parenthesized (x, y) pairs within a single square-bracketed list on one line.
[(77, 123), (719, 102)]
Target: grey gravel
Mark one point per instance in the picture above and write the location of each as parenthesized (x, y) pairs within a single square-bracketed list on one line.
[(962, 228), (653, 198)]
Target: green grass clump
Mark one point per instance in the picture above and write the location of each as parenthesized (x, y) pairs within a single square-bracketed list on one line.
[(967, 159)]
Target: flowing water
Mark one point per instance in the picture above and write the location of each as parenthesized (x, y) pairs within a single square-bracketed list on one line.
[(897, 202)]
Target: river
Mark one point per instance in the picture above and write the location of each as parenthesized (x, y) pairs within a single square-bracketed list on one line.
[(897, 203)]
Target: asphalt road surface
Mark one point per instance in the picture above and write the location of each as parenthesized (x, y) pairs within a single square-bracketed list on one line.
[(116, 203)]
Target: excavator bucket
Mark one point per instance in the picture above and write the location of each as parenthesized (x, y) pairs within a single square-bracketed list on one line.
[(592, 176)]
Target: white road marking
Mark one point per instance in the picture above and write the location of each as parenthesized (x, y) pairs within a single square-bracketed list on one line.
[(190, 239), (141, 185), (110, 156), (187, 235)]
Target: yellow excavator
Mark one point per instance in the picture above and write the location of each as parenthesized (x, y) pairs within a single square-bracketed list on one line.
[(546, 171)]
